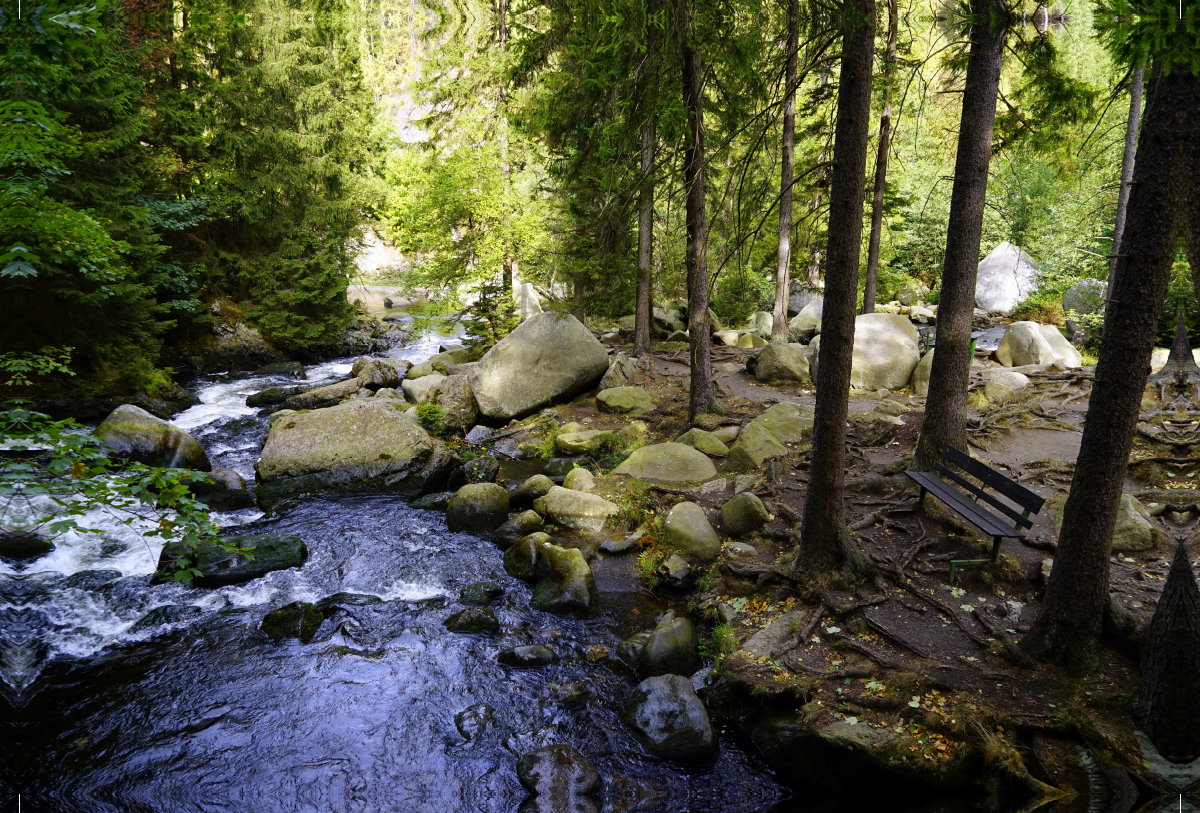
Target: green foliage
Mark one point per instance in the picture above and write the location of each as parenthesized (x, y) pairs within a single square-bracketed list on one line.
[(636, 508), (647, 565), (1181, 296), (54, 473), (432, 417), (23, 368)]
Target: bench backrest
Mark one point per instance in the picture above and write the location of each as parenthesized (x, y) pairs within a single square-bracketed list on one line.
[(993, 479)]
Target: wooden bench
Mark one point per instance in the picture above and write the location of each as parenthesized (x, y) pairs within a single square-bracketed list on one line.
[(1011, 523)]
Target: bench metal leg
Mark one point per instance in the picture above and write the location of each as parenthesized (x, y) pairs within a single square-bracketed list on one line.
[(955, 563)]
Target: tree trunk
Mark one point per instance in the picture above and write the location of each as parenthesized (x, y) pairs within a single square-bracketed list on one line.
[(505, 166), (1167, 703), (702, 396), (946, 404), (1131, 137), (825, 543), (1068, 629), (779, 326), (881, 160), (645, 255)]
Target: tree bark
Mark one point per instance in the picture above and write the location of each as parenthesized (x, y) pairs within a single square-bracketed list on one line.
[(825, 543), (1068, 629), (702, 397), (946, 404), (779, 326), (881, 160), (506, 265), (1131, 138), (1167, 703), (645, 255)]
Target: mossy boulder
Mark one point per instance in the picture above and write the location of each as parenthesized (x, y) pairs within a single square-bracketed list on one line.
[(521, 559), (132, 432), (565, 585), (478, 507), (454, 396), (671, 722), (363, 445), (687, 529), (624, 401), (668, 463), (1134, 531), (480, 594), (703, 441), (296, 620), (755, 445), (375, 373), (577, 510), (274, 395), (517, 527), (782, 363), (323, 397), (219, 568), (579, 479), (422, 390), (789, 423), (744, 514), (672, 648), (473, 620), (586, 441), (524, 494)]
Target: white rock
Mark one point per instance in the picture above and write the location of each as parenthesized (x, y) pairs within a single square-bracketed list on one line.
[(1064, 352), (1024, 343), (1004, 279)]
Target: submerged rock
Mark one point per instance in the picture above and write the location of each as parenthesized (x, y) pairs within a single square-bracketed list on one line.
[(166, 614), (296, 620), (480, 594), (670, 721), (548, 358), (219, 568), (134, 433), (528, 657), (472, 620)]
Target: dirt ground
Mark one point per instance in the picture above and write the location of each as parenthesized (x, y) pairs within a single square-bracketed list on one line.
[(908, 651)]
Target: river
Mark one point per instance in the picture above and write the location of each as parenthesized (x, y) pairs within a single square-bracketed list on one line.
[(123, 696)]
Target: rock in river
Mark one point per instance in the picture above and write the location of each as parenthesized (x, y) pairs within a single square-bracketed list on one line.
[(528, 657), (296, 620), (363, 445), (481, 507), (563, 580), (523, 495), (671, 649), (219, 568), (548, 358), (134, 433), (473, 619), (516, 528), (671, 722)]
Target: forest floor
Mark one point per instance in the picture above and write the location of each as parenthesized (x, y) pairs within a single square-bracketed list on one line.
[(930, 671)]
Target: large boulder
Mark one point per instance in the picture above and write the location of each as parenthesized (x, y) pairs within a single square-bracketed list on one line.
[(134, 433), (1024, 343), (219, 568), (787, 422), (782, 362), (760, 322), (584, 441), (516, 528), (577, 510), (453, 394), (1134, 530), (808, 321), (668, 463), (620, 372), (672, 648), (885, 351), (1085, 298), (703, 441), (670, 721), (631, 401), (322, 397), (548, 358), (479, 507), (1005, 278), (667, 321), (523, 495), (687, 529), (1065, 354), (363, 445)]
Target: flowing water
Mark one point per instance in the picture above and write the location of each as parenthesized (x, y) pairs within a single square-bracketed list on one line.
[(123, 696)]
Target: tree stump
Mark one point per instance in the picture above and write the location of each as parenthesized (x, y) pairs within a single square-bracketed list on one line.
[(1167, 703)]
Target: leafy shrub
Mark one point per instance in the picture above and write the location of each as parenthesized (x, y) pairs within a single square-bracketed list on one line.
[(432, 417)]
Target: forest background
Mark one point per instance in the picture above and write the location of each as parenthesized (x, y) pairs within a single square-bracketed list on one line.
[(168, 166)]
